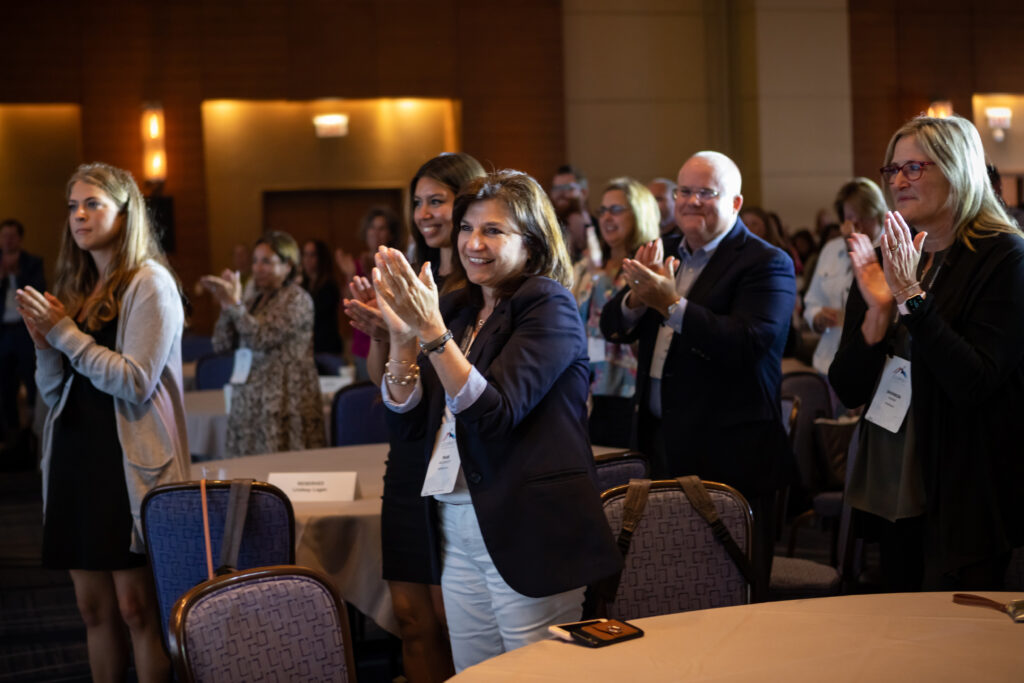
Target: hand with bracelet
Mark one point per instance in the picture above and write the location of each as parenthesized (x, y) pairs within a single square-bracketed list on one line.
[(409, 303), (901, 254)]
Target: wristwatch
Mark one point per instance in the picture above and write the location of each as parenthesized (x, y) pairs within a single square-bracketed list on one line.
[(911, 305)]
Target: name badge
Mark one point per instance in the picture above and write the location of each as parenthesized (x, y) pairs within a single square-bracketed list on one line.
[(243, 363), (892, 397), (660, 353), (311, 487), (595, 349), (443, 469)]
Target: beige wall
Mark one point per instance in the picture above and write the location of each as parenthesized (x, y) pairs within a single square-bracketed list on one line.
[(649, 82), (804, 105), (251, 146), (40, 145)]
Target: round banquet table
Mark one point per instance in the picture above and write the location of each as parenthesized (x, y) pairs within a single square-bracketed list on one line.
[(884, 637)]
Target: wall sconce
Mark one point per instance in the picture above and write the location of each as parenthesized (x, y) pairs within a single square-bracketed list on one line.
[(154, 155), (331, 125), (998, 121), (940, 109)]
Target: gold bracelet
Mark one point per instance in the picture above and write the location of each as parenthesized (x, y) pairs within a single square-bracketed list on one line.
[(405, 380)]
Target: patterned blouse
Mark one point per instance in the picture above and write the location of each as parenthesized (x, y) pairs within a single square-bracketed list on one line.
[(279, 408), (613, 365)]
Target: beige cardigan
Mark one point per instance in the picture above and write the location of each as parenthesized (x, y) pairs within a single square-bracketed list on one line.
[(143, 374)]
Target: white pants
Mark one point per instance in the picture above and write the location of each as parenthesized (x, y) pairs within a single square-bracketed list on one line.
[(485, 616)]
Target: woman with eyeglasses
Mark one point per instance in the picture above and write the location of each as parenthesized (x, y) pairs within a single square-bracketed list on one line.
[(627, 218), (276, 403), (861, 207), (933, 346)]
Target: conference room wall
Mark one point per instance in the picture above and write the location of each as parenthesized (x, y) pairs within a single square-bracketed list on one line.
[(502, 62), (905, 55), (650, 82)]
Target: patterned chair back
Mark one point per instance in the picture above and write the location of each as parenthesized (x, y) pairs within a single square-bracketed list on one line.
[(357, 416), (172, 523), (281, 623), (214, 370), (815, 401), (616, 469), (675, 564)]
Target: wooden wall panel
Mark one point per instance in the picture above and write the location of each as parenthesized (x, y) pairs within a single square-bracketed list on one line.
[(905, 55), (501, 60)]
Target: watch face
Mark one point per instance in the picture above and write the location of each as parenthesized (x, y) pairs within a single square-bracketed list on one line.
[(914, 303)]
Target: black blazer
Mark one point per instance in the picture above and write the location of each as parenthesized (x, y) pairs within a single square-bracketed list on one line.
[(523, 444), (720, 401), (967, 391), (30, 273)]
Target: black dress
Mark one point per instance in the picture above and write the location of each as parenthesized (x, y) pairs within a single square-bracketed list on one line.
[(88, 517)]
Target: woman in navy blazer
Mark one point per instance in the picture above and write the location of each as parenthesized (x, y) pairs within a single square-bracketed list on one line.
[(494, 396)]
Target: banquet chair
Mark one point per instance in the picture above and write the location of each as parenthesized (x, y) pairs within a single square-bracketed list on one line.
[(213, 370), (815, 402), (172, 523), (674, 562), (195, 346), (616, 469), (795, 577), (281, 623), (357, 415)]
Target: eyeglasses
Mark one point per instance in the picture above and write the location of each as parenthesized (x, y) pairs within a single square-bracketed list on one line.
[(911, 170), (565, 187), (702, 193), (614, 209)]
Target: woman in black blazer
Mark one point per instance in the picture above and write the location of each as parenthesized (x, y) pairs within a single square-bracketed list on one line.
[(494, 396), (938, 479)]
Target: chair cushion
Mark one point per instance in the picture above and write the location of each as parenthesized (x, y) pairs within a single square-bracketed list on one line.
[(794, 577)]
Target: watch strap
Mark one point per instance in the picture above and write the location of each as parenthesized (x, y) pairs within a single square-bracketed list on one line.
[(437, 344)]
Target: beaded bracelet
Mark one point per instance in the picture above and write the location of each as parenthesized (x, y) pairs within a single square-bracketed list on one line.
[(405, 380)]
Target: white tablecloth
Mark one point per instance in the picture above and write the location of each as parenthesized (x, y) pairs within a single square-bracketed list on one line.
[(893, 637), (341, 540)]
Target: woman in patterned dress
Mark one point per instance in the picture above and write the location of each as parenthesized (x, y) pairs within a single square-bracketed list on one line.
[(278, 406)]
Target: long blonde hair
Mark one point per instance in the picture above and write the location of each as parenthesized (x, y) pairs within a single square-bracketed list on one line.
[(136, 242), (954, 145)]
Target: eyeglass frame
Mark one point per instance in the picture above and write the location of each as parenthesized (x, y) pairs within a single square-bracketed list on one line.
[(892, 170), (614, 209), (704, 194)]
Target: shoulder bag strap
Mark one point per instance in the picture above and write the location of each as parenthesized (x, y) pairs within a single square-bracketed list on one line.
[(602, 594), (633, 511), (206, 529), (701, 502), (234, 523)]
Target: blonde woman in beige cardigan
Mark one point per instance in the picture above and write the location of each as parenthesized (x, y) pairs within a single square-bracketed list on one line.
[(108, 349)]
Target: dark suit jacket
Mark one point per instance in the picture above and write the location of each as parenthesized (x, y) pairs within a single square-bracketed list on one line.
[(967, 388), (30, 273), (721, 414), (523, 443)]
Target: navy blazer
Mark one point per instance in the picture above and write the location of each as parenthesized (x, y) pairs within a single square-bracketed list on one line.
[(523, 443), (721, 413)]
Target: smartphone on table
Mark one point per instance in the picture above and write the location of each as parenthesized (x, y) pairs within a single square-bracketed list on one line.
[(596, 632)]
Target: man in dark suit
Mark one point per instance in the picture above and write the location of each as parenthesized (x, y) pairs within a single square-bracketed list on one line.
[(17, 355), (711, 320)]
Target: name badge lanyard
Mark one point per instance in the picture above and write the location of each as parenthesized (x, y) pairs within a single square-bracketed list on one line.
[(445, 463)]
